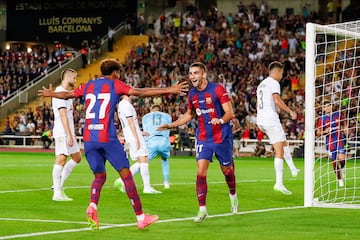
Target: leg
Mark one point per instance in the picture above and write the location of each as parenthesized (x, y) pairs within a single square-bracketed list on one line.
[(341, 159), (289, 160), (145, 175), (143, 220), (131, 190), (279, 167), (229, 173), (56, 177), (69, 166), (166, 172), (96, 187), (201, 189)]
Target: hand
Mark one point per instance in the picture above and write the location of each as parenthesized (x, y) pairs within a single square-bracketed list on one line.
[(180, 88), (45, 92), (70, 140), (163, 127), (144, 133), (293, 115), (327, 130), (137, 144), (216, 121)]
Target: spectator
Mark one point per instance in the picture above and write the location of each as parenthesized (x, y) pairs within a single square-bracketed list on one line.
[(46, 137), (110, 35), (84, 54), (260, 149)]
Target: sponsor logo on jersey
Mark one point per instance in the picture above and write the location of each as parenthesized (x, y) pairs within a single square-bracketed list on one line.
[(204, 111), (96, 127)]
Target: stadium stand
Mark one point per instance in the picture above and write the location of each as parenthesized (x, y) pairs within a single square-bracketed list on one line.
[(236, 49)]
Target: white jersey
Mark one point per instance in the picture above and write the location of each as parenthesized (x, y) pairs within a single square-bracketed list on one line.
[(126, 110), (59, 130), (267, 114)]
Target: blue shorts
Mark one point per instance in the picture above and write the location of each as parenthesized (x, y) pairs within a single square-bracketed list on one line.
[(97, 154), (338, 147), (223, 151), (333, 154), (158, 145)]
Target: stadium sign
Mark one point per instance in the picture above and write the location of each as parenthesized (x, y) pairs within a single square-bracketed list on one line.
[(67, 21)]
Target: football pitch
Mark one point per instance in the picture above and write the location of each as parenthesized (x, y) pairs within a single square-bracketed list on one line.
[(27, 211)]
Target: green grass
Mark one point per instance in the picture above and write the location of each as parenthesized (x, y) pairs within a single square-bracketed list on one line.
[(26, 205)]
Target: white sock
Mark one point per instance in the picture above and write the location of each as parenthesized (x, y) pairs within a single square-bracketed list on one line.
[(233, 196), (279, 166), (56, 177), (69, 166), (140, 217), (144, 171), (134, 169), (93, 205), (203, 208), (288, 158)]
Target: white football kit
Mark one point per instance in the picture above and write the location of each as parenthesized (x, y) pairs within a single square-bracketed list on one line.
[(59, 132), (267, 116), (126, 110)]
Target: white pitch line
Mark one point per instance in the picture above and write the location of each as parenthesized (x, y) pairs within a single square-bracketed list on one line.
[(108, 226), (159, 184)]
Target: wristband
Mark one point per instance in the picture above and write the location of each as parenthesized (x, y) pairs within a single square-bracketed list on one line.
[(221, 121)]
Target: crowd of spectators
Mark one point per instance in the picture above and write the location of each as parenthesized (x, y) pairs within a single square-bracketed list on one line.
[(18, 66), (236, 49)]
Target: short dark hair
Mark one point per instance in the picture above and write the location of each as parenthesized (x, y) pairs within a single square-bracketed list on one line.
[(107, 66), (156, 107), (63, 72), (275, 64), (326, 102), (198, 64)]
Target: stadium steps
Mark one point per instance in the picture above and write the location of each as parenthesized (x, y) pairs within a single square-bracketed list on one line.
[(121, 48)]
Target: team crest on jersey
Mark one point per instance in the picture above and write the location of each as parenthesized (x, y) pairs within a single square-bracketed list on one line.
[(208, 100)]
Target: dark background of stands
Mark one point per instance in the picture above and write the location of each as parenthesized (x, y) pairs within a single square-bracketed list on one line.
[(74, 20)]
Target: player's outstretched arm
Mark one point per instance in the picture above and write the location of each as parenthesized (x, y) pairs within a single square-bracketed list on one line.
[(178, 88), (48, 92), (181, 121)]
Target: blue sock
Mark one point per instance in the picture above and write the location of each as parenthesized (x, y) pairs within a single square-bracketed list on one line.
[(165, 170)]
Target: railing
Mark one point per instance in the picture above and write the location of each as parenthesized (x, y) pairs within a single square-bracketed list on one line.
[(248, 145), (26, 141), (118, 33), (30, 83)]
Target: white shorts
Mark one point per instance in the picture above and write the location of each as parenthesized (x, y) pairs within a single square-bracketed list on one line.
[(61, 147), (275, 133), (136, 153)]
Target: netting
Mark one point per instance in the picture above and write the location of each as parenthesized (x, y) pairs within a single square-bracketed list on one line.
[(333, 86)]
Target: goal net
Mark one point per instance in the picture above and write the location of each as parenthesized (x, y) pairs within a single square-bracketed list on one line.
[(332, 117)]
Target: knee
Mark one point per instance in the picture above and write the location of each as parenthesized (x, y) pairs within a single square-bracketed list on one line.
[(228, 171), (101, 176)]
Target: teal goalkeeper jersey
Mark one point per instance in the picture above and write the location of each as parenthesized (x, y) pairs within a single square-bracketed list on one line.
[(152, 120)]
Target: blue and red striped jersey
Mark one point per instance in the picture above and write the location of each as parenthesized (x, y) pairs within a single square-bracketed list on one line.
[(101, 96), (207, 104), (333, 139)]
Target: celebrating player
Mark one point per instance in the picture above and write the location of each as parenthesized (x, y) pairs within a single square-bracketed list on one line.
[(100, 140), (331, 126), (210, 103)]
